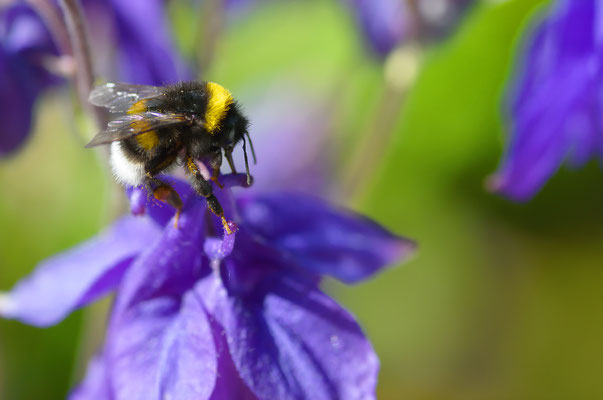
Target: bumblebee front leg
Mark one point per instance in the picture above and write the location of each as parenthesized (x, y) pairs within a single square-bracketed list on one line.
[(203, 188)]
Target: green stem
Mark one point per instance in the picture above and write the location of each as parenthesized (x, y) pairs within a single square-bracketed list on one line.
[(212, 25), (400, 70)]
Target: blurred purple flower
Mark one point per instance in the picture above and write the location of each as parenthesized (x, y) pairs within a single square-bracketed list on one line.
[(385, 23), (25, 45), (198, 317), (388, 23), (555, 100), (141, 41), (145, 49)]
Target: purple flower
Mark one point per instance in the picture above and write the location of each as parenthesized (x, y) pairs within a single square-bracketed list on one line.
[(385, 23), (25, 45), (555, 102), (136, 31), (144, 46), (198, 317), (388, 23)]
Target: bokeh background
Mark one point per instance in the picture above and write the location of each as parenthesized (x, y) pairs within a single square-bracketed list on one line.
[(502, 300)]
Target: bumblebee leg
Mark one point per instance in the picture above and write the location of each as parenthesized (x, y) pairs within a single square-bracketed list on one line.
[(161, 190), (203, 188), (215, 163), (164, 192)]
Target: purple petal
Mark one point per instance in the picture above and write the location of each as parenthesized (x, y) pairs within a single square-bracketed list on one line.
[(294, 342), (229, 384), (252, 262), (95, 385), (543, 138), (16, 108), (218, 249), (138, 200), (24, 45), (80, 275), (325, 240), (172, 264), (162, 348), (146, 49), (24, 32), (560, 41), (235, 180), (554, 105)]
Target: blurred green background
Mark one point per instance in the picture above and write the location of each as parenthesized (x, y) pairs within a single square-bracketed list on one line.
[(502, 300)]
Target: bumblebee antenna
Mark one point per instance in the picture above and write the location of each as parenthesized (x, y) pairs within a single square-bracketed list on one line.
[(246, 161), (255, 161)]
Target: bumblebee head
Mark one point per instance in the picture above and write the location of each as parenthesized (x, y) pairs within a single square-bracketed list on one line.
[(236, 129)]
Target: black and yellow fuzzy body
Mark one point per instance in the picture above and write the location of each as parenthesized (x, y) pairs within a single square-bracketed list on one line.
[(156, 127)]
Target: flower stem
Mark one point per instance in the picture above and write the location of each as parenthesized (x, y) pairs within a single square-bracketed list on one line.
[(212, 26), (84, 80), (400, 71), (84, 74), (54, 21), (371, 148)]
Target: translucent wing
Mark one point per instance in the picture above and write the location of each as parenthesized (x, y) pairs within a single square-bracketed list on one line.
[(119, 97), (135, 124)]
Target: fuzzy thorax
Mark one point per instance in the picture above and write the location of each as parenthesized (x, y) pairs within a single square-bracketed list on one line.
[(218, 104)]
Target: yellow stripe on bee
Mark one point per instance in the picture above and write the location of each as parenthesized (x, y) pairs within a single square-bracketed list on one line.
[(138, 108), (218, 104), (148, 140)]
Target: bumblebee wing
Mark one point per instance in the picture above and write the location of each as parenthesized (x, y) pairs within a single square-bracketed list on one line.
[(135, 124), (118, 97)]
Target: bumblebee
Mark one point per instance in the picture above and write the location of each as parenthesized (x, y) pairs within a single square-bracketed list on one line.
[(159, 127)]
